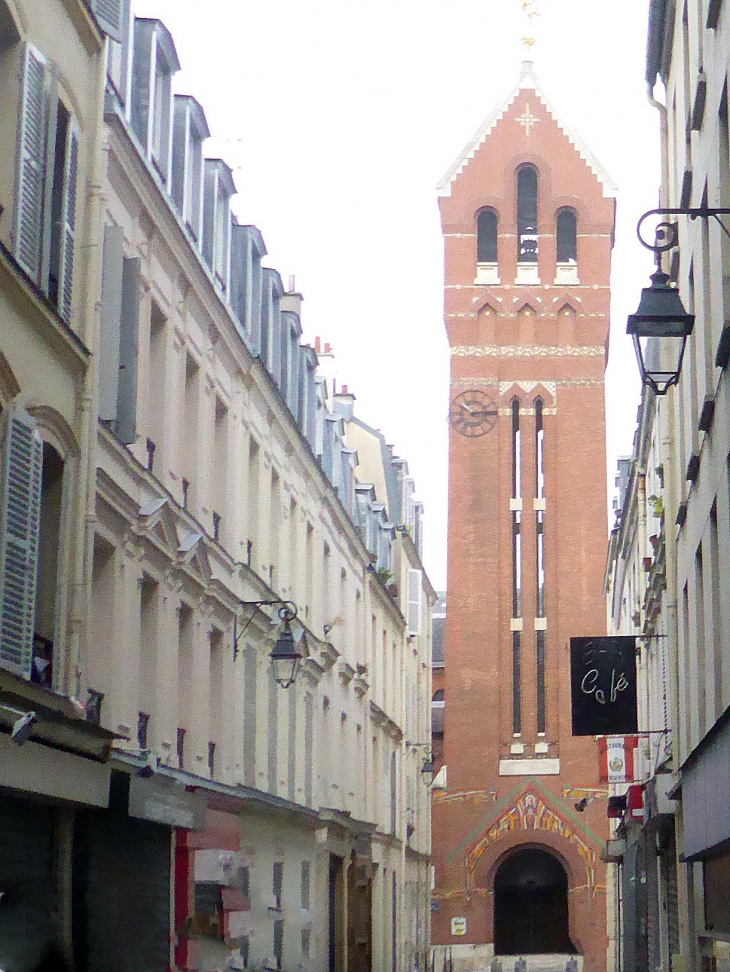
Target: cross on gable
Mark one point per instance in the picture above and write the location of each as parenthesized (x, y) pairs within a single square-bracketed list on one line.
[(528, 120)]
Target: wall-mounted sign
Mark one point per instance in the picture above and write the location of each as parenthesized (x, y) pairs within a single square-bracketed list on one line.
[(616, 759), (603, 685), (458, 926)]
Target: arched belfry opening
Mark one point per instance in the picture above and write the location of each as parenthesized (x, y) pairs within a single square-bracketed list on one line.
[(531, 905)]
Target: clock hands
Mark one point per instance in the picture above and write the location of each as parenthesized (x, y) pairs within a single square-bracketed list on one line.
[(477, 412)]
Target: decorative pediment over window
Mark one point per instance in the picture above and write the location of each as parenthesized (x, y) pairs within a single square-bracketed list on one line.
[(487, 310), (527, 309)]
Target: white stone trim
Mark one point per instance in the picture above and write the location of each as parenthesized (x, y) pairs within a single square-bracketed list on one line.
[(529, 767)]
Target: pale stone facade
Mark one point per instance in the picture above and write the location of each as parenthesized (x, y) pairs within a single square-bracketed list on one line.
[(687, 58), (237, 484), (195, 462)]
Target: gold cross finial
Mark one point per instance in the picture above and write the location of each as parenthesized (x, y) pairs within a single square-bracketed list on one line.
[(529, 9)]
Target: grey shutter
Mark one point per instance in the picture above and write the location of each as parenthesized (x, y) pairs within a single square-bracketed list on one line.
[(273, 738), (128, 353), (49, 156), (68, 220), (180, 163), (249, 716), (111, 313), (20, 507), (110, 14), (31, 162)]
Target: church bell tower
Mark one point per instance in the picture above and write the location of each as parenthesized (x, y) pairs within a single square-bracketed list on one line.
[(527, 214)]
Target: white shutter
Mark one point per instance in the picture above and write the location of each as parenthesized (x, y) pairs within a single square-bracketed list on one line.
[(415, 600), (33, 121), (20, 505), (110, 14), (68, 220)]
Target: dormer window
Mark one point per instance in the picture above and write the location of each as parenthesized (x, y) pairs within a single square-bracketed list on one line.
[(487, 269), (566, 231), (219, 189), (189, 133), (155, 62), (527, 237), (119, 66)]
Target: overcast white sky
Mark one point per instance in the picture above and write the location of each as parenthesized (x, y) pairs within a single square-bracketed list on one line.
[(341, 116)]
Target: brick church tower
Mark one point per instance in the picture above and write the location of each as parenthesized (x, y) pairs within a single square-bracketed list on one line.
[(528, 216)]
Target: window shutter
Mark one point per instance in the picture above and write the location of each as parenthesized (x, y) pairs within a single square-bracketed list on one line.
[(415, 596), (111, 312), (110, 14), (31, 163), (142, 69), (68, 217), (128, 350), (20, 506)]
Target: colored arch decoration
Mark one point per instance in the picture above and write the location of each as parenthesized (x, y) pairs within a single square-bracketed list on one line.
[(530, 812)]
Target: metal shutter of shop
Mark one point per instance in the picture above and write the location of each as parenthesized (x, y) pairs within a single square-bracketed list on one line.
[(669, 870), (123, 894), (654, 944), (26, 880)]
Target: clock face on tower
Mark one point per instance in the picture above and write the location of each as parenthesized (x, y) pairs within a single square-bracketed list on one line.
[(473, 412)]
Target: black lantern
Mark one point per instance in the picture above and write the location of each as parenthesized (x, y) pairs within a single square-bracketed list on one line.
[(284, 657), (660, 315), (428, 769)]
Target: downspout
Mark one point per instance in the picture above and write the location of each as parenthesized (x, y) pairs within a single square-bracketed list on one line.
[(669, 427)]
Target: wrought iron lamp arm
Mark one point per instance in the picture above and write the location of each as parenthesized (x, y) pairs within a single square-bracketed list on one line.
[(287, 612), (670, 229)]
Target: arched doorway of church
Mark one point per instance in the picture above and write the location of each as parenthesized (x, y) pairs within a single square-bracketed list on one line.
[(531, 905)]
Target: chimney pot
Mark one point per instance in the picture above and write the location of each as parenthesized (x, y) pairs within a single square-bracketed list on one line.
[(326, 349)]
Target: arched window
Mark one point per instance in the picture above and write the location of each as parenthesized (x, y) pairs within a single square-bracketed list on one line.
[(487, 236), (439, 696), (527, 214), (567, 233), (487, 270)]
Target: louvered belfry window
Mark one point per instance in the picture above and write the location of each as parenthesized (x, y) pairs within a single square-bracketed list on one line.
[(44, 227), (20, 507), (527, 238)]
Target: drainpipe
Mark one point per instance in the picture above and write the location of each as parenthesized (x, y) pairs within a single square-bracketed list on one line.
[(75, 676), (672, 493)]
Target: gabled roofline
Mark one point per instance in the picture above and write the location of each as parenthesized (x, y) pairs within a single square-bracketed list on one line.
[(527, 80)]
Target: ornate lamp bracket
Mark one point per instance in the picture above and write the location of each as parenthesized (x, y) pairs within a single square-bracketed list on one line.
[(666, 233)]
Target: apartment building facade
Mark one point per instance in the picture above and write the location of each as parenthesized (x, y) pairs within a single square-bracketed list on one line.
[(231, 822), (686, 73)]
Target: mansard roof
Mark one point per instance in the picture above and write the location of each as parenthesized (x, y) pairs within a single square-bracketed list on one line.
[(527, 81)]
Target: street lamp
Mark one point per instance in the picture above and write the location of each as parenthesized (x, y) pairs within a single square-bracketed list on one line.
[(660, 315), (428, 767), (661, 325), (285, 658)]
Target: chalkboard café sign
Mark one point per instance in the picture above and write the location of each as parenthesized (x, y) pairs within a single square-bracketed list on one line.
[(603, 686)]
